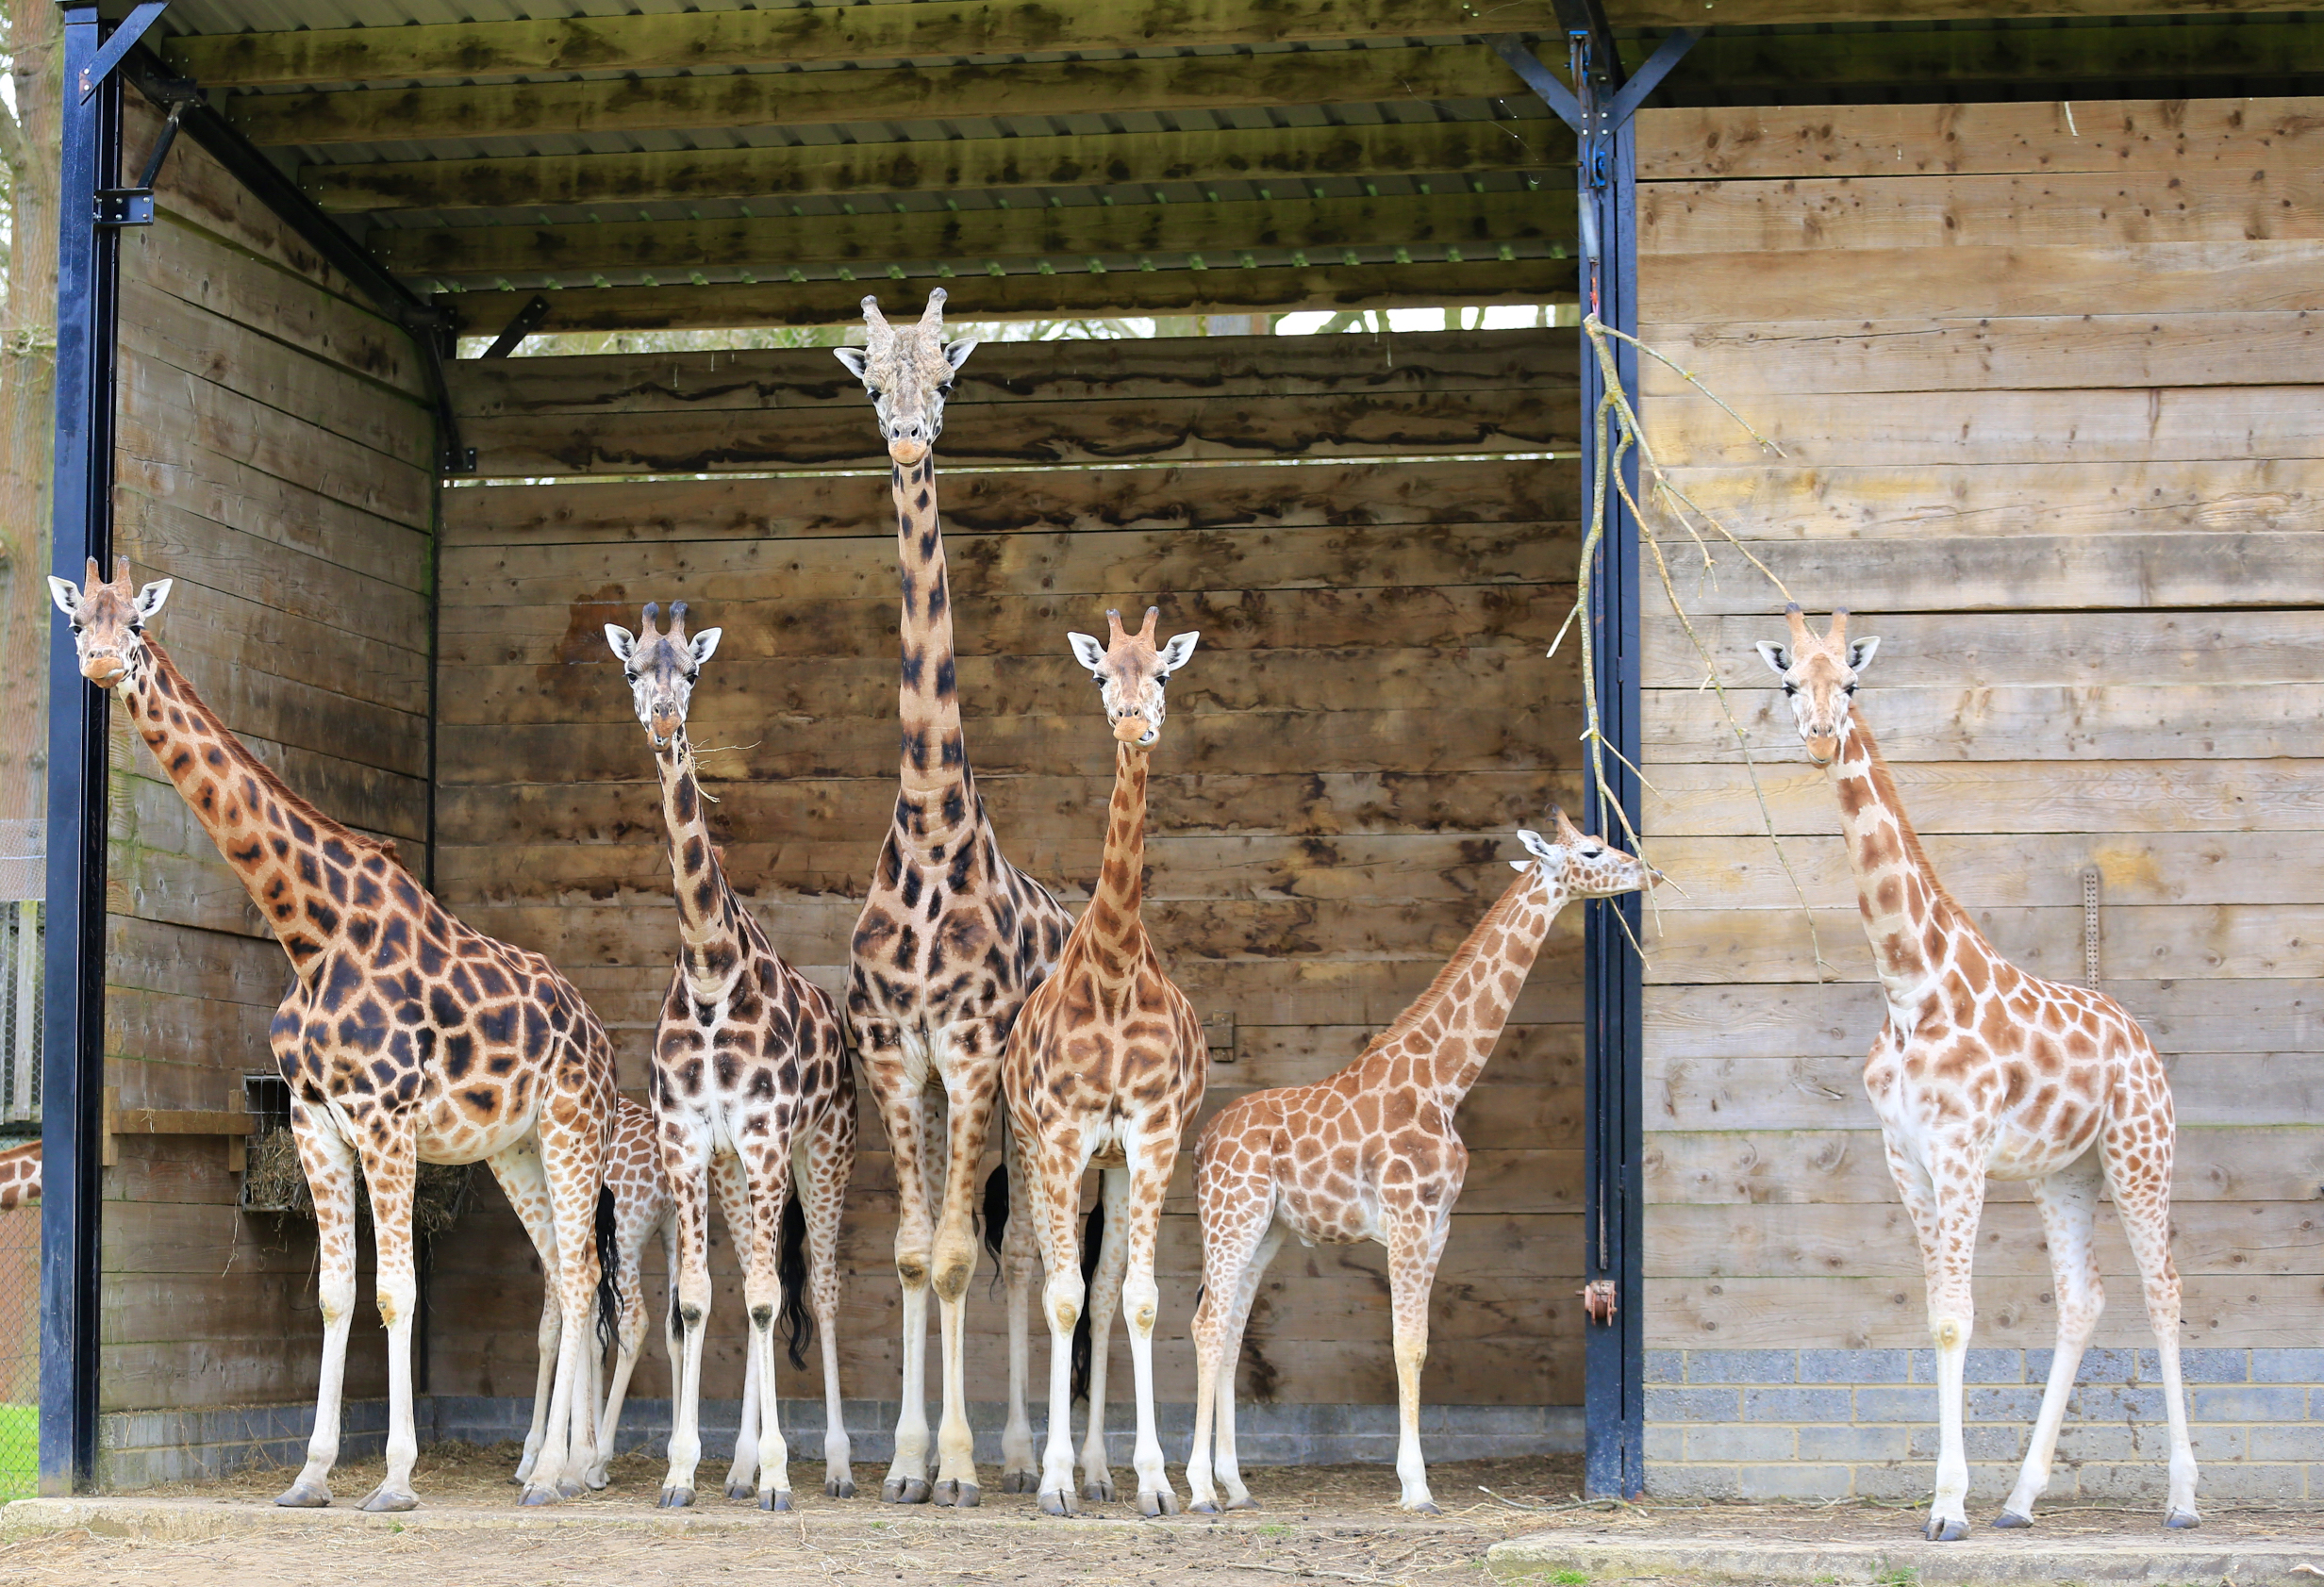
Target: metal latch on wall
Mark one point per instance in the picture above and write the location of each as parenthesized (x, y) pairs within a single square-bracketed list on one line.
[(1598, 1301)]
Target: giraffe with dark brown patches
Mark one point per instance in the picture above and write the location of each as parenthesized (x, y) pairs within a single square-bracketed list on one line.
[(1371, 1153), (1953, 1077), (1106, 1066), (405, 1038), (749, 1068), (951, 939), (20, 1176)]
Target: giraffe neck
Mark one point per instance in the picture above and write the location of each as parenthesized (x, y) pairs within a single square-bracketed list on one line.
[(1459, 1018), (1116, 934), (710, 917), (287, 852), (938, 793), (1909, 917)]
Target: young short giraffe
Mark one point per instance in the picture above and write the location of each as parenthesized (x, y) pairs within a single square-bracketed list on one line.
[(20, 1175), (1107, 1066), (1371, 1153), (951, 940), (749, 1063), (1983, 1071), (406, 1036)]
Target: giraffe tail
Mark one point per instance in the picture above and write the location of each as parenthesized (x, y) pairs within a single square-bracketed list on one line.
[(1092, 1235), (608, 1274), (995, 1220), (791, 1273)]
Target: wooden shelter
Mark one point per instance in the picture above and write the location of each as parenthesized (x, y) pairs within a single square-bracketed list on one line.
[(395, 562)]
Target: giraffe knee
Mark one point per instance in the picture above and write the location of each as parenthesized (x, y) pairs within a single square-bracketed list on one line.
[(1062, 1301), (1948, 1333), (1141, 1301)]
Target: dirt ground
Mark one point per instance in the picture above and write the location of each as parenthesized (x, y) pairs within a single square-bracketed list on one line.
[(1327, 1525)]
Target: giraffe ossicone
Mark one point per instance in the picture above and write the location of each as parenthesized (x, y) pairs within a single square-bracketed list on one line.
[(1982, 1071), (751, 1087), (404, 1034), (1373, 1153)]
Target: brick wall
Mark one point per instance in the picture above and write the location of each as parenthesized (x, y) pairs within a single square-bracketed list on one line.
[(1833, 1424)]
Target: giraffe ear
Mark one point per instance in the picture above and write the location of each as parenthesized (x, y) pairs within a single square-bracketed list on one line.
[(1859, 651), (149, 599), (67, 598), (1776, 654), (1520, 865), (855, 358), (704, 644), (1088, 652), (1538, 847), (624, 643), (956, 353), (1181, 646)]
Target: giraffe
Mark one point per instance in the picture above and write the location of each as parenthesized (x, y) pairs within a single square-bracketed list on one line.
[(20, 1175), (406, 1036), (1107, 1066), (951, 939), (1982, 1071), (1371, 1153), (749, 1065)]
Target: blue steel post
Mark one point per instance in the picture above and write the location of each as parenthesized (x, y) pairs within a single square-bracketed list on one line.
[(72, 1050)]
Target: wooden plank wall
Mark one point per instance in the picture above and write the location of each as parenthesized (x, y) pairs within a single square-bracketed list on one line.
[(2046, 391), (275, 459), (1362, 729)]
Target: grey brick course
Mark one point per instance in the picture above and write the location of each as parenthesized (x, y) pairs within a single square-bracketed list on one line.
[(1742, 1367), (1855, 1366), (1729, 1440), (1796, 1405)]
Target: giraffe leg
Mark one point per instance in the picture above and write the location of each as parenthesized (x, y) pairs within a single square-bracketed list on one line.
[(734, 1204), (1416, 1241), (629, 1341), (904, 1109), (1097, 1481), (972, 1086), (527, 1185), (768, 1163), (2138, 1161), (572, 1160), (686, 1162), (1952, 1315), (821, 1176), (1050, 1165), (1141, 1304), (330, 1166), (2068, 1202), (1020, 1264), (1238, 1236), (552, 1312), (390, 1172)]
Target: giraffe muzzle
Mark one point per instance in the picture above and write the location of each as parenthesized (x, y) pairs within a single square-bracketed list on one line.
[(104, 670), (1823, 748), (1134, 730)]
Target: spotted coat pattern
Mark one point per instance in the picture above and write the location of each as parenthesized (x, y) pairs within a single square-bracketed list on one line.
[(20, 1176)]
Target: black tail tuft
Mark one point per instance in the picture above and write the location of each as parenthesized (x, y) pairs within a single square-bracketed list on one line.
[(996, 1220), (608, 1274), (791, 1272), (1092, 1236)]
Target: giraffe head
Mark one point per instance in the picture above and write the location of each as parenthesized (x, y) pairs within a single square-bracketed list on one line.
[(1584, 866), (109, 621), (1820, 677), (909, 373), (1131, 673), (661, 668)]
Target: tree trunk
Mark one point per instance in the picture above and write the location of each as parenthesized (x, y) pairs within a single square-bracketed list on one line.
[(28, 400)]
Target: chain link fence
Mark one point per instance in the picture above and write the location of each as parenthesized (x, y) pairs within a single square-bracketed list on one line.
[(21, 932)]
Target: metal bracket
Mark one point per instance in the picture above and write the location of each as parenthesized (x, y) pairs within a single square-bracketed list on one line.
[(1539, 78), (521, 325), (134, 206), (1599, 1302), (133, 27)]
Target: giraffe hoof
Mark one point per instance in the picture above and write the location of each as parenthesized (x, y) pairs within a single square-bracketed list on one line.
[(1020, 1482), (774, 1499), (1160, 1502), (1101, 1490), (2009, 1520), (1945, 1531), (1058, 1503), (2182, 1520), (598, 1481), (839, 1487), (1203, 1506), (304, 1496), (1246, 1502), (905, 1490), (569, 1488), (741, 1491), (1426, 1506), (674, 1498), (965, 1495), (535, 1496), (381, 1500)]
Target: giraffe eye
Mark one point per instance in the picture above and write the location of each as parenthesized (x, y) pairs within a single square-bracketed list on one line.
[(77, 627), (630, 673), (1791, 688), (945, 389), (1161, 678), (1850, 689)]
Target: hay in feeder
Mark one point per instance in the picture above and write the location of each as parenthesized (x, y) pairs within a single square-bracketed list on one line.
[(274, 1181)]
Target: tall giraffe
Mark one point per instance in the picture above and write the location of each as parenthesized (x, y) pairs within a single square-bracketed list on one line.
[(1107, 1066), (951, 939), (1982, 1071), (20, 1175), (1371, 1153), (749, 1063), (406, 1036)]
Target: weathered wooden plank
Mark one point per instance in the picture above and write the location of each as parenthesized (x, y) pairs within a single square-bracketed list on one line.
[(1053, 501), (2137, 277), (2170, 136), (1748, 362), (1760, 13), (2109, 721), (2208, 1238), (1292, 155), (2227, 941), (1982, 572), (2198, 423), (1519, 614), (374, 799), (145, 955), (2240, 495), (1471, 221), (1807, 1167), (696, 41), (2219, 1312), (896, 93), (1070, 292), (1770, 1021), (1400, 367)]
